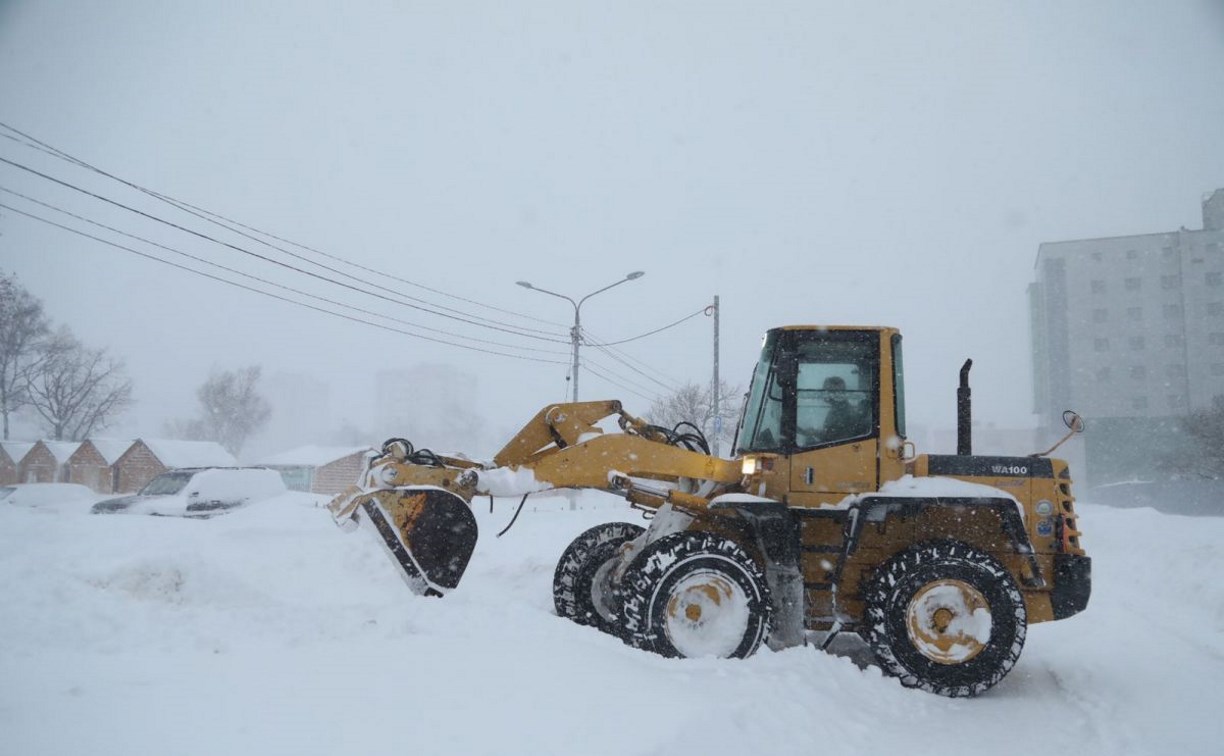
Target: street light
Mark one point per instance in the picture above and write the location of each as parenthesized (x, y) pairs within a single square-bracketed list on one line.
[(576, 331)]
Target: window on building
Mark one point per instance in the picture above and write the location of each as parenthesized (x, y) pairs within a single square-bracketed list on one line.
[(1175, 371), (1103, 374), (1139, 403), (1215, 339), (1131, 254), (1100, 315), (1167, 253), (1132, 284), (1100, 345), (1096, 256), (1174, 340), (1134, 313), (1215, 278), (1215, 308), (1177, 401), (1138, 372), (1217, 368), (1135, 342), (1098, 286), (1172, 311), (1170, 282)]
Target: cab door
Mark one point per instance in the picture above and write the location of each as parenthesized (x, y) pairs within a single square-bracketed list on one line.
[(835, 439)]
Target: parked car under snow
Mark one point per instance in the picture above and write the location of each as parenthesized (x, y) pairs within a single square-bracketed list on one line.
[(65, 496), (197, 492)]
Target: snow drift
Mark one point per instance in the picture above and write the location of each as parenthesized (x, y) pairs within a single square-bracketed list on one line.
[(268, 631)]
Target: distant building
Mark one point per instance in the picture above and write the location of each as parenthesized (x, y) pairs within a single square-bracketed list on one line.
[(319, 469), (46, 462), (1129, 331), (11, 454), (92, 464), (146, 458)]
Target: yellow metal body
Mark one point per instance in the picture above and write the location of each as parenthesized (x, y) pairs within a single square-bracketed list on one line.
[(571, 445)]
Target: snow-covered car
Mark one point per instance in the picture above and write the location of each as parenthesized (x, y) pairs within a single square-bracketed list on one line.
[(47, 495), (197, 492)]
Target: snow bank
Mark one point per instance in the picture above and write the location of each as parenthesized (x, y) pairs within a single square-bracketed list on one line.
[(268, 631)]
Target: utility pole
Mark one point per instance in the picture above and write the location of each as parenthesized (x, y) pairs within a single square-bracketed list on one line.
[(718, 421)]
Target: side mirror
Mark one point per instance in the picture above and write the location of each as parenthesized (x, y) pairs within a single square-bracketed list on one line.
[(1073, 421)]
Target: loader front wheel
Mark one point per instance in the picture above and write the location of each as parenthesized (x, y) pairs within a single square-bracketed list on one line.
[(580, 589), (692, 594), (946, 618)]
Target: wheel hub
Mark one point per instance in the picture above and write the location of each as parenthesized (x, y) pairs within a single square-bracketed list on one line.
[(602, 592), (948, 621), (706, 615)]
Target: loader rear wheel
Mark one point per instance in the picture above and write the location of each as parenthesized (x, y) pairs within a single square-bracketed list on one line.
[(946, 618), (580, 587), (695, 595)]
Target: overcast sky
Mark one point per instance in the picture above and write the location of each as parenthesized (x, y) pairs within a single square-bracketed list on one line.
[(861, 162)]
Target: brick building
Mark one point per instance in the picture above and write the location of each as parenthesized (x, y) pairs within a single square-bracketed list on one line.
[(46, 462), (92, 464), (11, 454), (146, 458), (319, 469)]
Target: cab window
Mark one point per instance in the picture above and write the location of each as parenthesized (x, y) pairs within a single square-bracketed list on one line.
[(761, 424), (835, 384)]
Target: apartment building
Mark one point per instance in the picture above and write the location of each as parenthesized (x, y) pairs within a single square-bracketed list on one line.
[(1129, 331)]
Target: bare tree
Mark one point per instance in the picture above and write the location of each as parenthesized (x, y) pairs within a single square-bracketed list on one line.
[(75, 390), (695, 404), (23, 325), (232, 409)]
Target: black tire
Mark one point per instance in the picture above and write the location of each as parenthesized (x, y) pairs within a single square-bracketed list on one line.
[(923, 620), (693, 594), (574, 586)]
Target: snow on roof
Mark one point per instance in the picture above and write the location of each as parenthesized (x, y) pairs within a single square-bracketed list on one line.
[(61, 450), (111, 449), (311, 455), (190, 453), (17, 449)]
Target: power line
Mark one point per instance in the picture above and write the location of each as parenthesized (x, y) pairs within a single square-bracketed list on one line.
[(617, 375), (623, 358), (619, 385), (216, 218), (647, 376), (657, 330), (36, 144), (269, 294), (266, 281), (264, 257)]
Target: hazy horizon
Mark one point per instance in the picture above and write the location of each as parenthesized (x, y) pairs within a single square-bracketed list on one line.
[(880, 163)]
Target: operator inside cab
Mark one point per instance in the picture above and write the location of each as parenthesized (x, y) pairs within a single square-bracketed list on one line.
[(844, 418), (811, 388)]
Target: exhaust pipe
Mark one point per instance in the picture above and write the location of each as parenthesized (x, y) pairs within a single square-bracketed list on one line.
[(964, 414)]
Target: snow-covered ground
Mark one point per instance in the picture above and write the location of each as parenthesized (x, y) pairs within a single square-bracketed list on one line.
[(268, 631)]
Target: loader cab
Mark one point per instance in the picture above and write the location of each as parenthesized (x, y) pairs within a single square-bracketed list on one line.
[(825, 413)]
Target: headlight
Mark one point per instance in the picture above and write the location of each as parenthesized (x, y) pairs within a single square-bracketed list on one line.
[(749, 466)]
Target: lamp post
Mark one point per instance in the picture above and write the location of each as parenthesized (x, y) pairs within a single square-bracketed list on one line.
[(576, 331)]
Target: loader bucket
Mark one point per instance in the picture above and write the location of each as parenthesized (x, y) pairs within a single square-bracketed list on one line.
[(429, 533)]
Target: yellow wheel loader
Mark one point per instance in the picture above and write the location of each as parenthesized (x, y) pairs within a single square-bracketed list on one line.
[(825, 521)]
